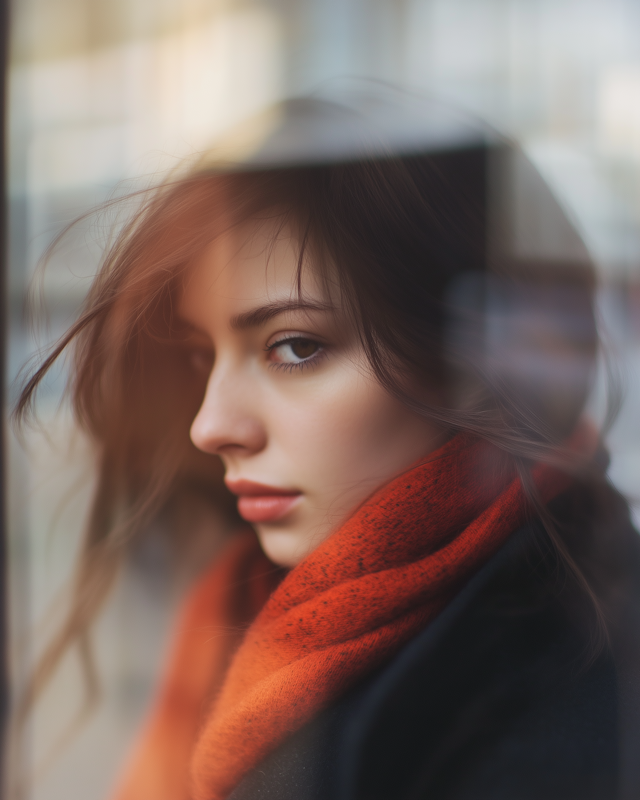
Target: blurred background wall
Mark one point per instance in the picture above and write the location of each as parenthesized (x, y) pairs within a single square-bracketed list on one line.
[(105, 94)]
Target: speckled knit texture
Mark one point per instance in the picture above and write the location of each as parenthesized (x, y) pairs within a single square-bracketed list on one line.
[(336, 617)]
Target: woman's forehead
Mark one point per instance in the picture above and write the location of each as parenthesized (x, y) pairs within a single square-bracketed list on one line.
[(254, 263)]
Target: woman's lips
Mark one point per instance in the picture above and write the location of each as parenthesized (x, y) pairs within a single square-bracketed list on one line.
[(265, 508), (260, 503)]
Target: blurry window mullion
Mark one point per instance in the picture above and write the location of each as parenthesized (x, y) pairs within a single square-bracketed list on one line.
[(4, 690)]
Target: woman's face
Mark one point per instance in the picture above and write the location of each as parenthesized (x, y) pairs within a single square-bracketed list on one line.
[(305, 431)]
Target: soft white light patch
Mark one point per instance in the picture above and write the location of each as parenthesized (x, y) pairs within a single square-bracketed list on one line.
[(619, 110), (142, 106)]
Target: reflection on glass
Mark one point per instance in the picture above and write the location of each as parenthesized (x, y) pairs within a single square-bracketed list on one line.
[(498, 339)]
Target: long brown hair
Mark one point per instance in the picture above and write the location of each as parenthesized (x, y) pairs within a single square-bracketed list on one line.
[(424, 276)]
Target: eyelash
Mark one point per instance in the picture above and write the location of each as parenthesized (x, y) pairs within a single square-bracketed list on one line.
[(301, 365)]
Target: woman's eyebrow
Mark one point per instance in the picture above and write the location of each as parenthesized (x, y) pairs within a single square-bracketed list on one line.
[(258, 316)]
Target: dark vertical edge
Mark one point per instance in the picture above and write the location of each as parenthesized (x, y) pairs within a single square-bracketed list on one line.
[(4, 627)]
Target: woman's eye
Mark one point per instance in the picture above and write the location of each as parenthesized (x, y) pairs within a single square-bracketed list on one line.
[(294, 351)]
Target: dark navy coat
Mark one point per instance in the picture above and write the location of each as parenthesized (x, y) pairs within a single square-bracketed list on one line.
[(517, 691)]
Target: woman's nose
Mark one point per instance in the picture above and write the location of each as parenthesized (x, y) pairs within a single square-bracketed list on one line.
[(225, 424)]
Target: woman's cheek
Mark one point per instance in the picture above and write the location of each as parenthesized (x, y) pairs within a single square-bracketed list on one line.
[(341, 433)]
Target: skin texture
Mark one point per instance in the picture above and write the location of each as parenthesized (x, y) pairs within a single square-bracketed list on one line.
[(304, 415)]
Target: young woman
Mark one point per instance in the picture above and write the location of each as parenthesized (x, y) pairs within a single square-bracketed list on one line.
[(376, 331)]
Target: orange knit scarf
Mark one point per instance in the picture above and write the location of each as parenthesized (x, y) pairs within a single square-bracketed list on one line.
[(339, 615)]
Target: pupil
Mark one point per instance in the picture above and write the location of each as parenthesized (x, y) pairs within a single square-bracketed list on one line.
[(303, 348)]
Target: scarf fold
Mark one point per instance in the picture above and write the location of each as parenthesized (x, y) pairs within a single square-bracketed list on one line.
[(342, 613)]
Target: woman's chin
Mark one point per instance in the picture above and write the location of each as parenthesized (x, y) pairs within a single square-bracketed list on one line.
[(288, 545), (286, 548)]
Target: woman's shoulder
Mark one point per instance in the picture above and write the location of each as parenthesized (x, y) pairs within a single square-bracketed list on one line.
[(508, 693), (513, 691)]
